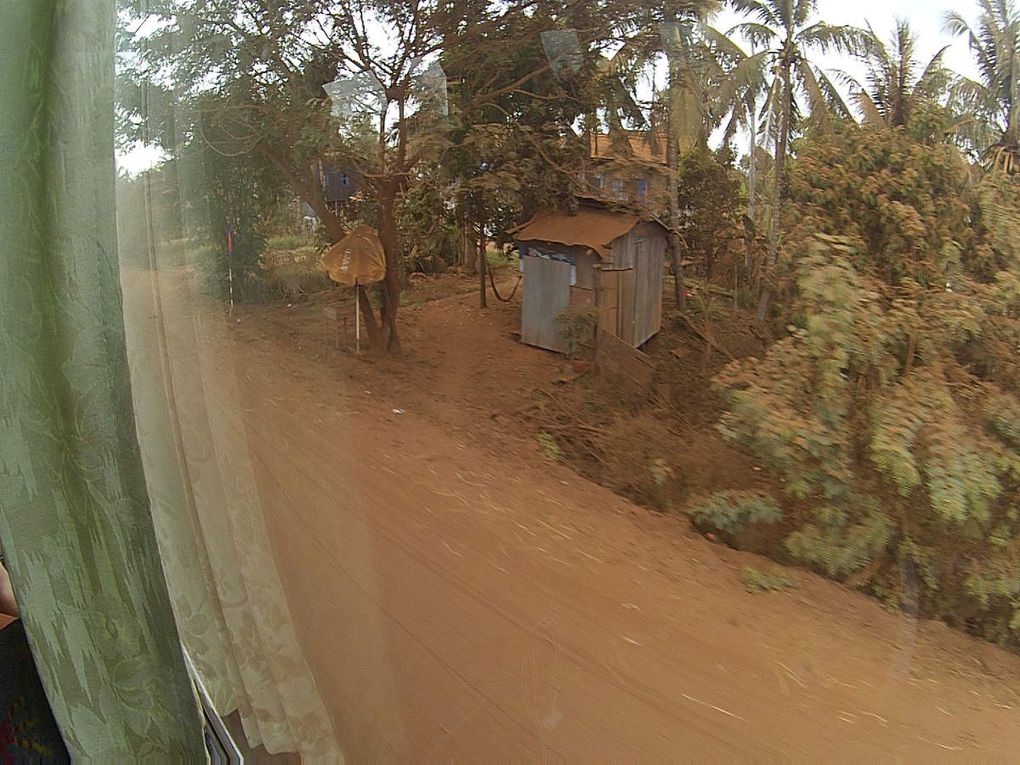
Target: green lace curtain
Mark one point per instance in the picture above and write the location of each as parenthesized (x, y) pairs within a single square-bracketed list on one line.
[(74, 512)]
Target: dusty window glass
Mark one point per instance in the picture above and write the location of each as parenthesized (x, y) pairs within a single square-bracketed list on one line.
[(461, 444)]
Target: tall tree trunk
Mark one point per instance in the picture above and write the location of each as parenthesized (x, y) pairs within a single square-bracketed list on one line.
[(781, 148), (334, 228), (387, 197), (777, 188), (752, 198), (467, 247), (673, 157), (482, 268)]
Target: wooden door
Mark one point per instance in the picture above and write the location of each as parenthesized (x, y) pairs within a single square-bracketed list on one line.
[(609, 302), (628, 306)]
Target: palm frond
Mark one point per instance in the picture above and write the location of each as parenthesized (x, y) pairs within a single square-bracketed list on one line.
[(833, 98), (828, 38), (803, 10), (870, 113), (758, 9), (934, 80), (721, 44), (759, 35), (747, 77)]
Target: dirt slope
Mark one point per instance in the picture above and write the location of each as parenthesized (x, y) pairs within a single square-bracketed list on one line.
[(461, 597)]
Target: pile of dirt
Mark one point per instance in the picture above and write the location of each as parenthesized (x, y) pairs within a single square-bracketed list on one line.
[(661, 447)]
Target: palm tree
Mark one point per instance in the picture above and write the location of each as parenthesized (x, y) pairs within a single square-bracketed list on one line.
[(995, 43), (786, 35), (710, 79), (893, 89), (678, 29), (691, 69)]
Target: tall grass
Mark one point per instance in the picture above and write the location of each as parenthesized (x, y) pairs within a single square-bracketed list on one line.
[(291, 241)]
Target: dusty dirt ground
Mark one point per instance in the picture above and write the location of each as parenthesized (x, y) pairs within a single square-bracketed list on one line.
[(459, 596)]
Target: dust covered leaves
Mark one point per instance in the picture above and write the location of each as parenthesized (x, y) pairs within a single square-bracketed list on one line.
[(889, 410)]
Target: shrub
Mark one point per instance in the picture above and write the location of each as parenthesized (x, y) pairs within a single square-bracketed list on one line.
[(732, 511), (549, 447), (755, 581), (890, 407), (578, 324)]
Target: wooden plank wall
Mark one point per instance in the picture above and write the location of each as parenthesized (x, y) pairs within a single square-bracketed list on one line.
[(640, 298), (648, 318), (581, 296), (609, 301), (628, 305), (585, 270)]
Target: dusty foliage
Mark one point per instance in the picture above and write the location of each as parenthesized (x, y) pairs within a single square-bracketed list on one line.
[(549, 447), (890, 409), (755, 580), (577, 325), (732, 511), (294, 273)]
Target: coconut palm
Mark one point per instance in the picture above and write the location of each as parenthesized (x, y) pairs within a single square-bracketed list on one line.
[(786, 35), (650, 28), (895, 86), (995, 96), (692, 68)]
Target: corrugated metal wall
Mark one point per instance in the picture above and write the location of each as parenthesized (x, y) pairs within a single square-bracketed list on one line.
[(635, 289), (546, 295)]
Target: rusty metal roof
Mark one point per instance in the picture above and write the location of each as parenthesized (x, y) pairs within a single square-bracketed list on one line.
[(642, 146), (589, 227)]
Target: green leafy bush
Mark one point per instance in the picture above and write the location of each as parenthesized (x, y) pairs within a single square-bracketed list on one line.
[(733, 511), (755, 581), (889, 410)]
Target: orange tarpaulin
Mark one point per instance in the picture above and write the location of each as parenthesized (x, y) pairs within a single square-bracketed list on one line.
[(358, 258)]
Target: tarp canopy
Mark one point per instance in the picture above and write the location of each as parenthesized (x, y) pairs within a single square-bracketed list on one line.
[(358, 258)]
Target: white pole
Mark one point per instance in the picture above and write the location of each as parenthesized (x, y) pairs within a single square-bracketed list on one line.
[(357, 317), (230, 273)]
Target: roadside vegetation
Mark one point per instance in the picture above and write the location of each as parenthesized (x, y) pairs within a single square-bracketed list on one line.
[(838, 382)]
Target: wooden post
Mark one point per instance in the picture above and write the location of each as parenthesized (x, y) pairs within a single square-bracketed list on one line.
[(357, 320)]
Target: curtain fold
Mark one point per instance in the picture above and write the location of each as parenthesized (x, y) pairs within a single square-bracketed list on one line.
[(220, 565), (74, 511), (230, 604)]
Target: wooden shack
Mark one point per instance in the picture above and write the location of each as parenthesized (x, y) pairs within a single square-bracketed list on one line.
[(606, 258)]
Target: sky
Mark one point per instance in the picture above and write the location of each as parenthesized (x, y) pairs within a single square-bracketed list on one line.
[(925, 17)]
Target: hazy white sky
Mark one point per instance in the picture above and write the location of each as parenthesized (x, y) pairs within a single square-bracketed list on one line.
[(925, 16)]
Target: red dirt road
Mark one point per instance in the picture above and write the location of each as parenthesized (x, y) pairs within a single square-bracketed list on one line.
[(460, 597)]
